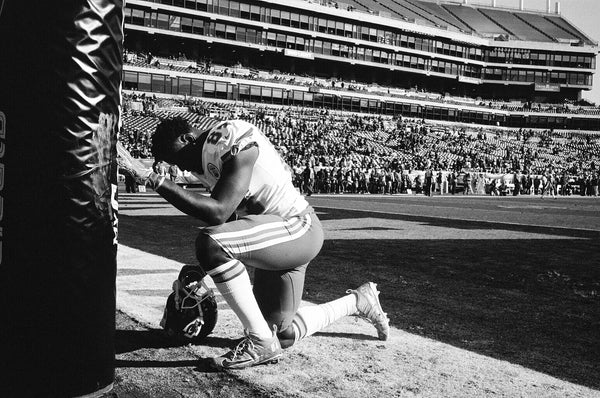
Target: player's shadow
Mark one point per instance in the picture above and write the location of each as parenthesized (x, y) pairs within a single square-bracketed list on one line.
[(133, 340)]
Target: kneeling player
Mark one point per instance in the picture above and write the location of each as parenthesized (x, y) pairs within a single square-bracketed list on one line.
[(257, 218)]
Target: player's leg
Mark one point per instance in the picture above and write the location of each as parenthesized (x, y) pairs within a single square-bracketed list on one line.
[(222, 251), (279, 293)]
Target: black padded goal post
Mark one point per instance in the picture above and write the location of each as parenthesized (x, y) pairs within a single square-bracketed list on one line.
[(60, 78)]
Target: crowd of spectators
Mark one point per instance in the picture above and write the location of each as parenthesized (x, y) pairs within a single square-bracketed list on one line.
[(334, 152), (207, 67)]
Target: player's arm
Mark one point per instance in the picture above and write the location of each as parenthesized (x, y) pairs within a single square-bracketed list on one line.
[(226, 195)]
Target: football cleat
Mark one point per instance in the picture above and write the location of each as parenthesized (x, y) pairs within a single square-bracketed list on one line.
[(369, 308), (191, 310), (250, 351)]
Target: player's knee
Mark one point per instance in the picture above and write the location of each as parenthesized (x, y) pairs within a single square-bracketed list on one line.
[(208, 252)]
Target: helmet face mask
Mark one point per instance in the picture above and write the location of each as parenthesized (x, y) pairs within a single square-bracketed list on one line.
[(191, 310)]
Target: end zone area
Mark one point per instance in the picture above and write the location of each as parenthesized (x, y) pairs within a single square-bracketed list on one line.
[(487, 296)]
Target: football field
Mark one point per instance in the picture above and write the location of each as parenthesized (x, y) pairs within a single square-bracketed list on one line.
[(487, 296)]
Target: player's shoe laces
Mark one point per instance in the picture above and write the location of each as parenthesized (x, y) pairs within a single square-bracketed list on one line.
[(369, 307), (250, 351)]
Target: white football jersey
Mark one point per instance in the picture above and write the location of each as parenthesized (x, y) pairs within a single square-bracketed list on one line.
[(271, 190)]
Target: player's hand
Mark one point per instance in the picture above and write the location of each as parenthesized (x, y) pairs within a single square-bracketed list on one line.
[(142, 174)]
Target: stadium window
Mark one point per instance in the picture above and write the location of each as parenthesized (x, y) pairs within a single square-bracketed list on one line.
[(420, 63), (191, 4), (244, 91), (364, 33), (452, 49), (327, 48), (255, 13), (285, 18), (167, 2), (290, 42), (403, 40), (530, 76), (372, 34), (223, 7), (220, 30), (198, 26), (580, 61), (542, 58), (344, 51), (360, 53), (173, 83), (331, 27), (185, 85), (411, 42), (137, 17), (271, 39), (175, 23), (277, 95), (240, 34), (234, 9), (266, 93), (304, 21), (300, 44), (558, 59), (348, 30), (201, 5), (418, 43), (150, 19), (573, 60), (335, 49), (245, 10), (179, 3), (295, 20), (317, 47), (186, 25), (322, 25), (339, 28), (162, 21), (158, 83), (209, 88), (255, 93), (281, 40), (275, 17), (562, 77), (144, 82), (130, 80), (369, 55), (230, 32), (221, 90), (252, 36)]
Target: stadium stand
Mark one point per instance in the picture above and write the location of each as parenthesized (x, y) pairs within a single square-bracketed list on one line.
[(370, 86)]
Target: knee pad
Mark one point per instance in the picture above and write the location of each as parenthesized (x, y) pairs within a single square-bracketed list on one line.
[(208, 252)]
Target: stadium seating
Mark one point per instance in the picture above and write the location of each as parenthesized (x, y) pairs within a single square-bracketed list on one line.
[(332, 139)]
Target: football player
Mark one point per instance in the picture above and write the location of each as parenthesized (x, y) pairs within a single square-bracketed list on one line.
[(255, 217)]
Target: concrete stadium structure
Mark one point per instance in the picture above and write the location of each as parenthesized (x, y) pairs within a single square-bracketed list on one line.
[(417, 58)]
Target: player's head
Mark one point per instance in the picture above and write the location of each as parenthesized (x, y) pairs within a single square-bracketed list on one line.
[(174, 141)]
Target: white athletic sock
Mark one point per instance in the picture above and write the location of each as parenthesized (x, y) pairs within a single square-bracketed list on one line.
[(312, 318), (233, 282)]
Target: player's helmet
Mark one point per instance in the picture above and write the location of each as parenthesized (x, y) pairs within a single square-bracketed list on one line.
[(191, 310)]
